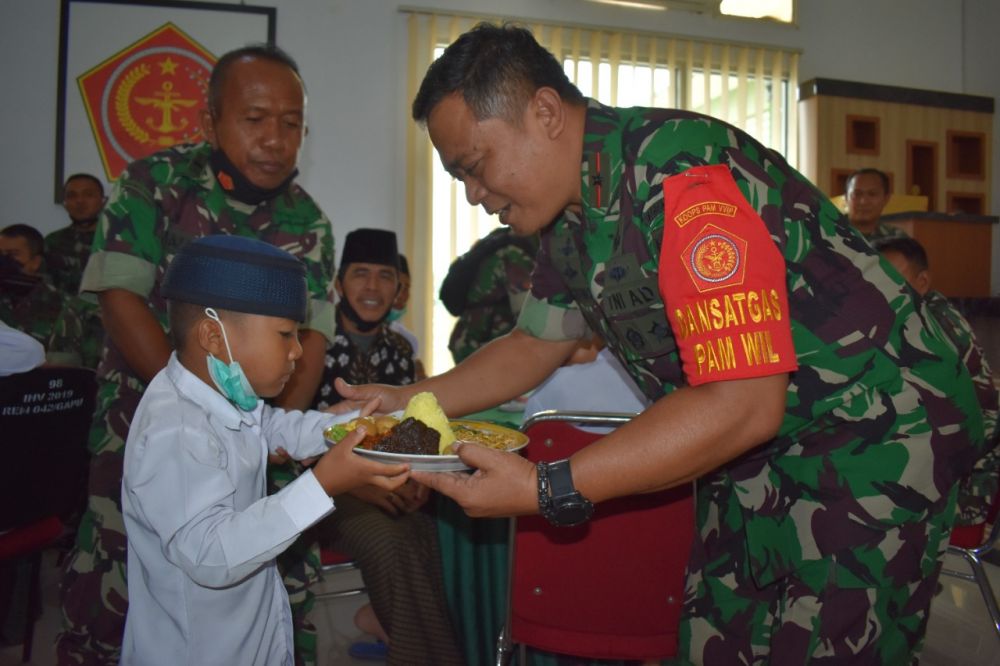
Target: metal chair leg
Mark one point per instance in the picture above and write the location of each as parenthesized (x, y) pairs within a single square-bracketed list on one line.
[(504, 643)]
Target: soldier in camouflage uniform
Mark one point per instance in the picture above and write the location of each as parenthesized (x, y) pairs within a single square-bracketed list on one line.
[(78, 334), (29, 301), (978, 491), (67, 249), (239, 182), (867, 195), (825, 420), (495, 295)]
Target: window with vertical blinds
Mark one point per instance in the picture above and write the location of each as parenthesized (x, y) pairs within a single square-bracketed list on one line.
[(750, 86)]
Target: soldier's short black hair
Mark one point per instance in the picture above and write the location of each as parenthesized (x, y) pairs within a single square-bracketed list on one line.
[(496, 68), (869, 172), (85, 176), (909, 248), (217, 80), (36, 242)]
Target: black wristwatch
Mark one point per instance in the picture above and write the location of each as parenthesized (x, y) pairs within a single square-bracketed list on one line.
[(560, 502)]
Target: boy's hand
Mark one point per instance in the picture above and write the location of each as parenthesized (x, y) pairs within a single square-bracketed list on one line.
[(407, 498), (340, 469)]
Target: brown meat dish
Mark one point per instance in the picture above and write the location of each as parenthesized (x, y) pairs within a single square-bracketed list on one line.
[(412, 437)]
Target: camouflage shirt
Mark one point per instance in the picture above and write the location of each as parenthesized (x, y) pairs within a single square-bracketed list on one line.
[(494, 300), (977, 491), (883, 230), (31, 306), (880, 419), (388, 360), (78, 334), (66, 253), (167, 199)]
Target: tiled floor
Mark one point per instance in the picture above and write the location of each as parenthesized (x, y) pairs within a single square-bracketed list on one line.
[(959, 630)]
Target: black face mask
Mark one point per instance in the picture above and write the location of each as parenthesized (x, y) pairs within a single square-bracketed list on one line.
[(89, 222), (344, 307), (242, 189)]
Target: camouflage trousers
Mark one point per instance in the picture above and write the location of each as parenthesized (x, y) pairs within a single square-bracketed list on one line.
[(94, 595), (809, 617), (93, 587), (978, 491)]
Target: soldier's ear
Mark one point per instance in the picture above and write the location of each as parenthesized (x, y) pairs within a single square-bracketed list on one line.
[(208, 127), (548, 110), (922, 283)]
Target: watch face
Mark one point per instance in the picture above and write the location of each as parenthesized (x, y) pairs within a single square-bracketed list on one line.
[(573, 511)]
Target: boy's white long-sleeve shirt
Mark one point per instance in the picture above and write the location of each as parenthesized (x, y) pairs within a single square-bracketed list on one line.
[(202, 533)]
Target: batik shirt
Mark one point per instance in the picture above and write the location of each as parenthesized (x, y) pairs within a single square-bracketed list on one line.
[(495, 297), (163, 201), (66, 253), (388, 360), (976, 492), (880, 418)]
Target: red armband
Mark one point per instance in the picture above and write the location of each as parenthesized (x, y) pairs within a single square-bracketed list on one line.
[(722, 280)]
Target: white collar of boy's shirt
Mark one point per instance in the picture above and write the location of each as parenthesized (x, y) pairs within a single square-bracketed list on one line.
[(217, 405)]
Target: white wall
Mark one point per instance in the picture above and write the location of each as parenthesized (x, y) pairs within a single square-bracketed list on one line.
[(352, 54)]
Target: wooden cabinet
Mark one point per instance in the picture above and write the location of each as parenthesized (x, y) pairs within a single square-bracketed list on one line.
[(958, 249), (932, 144)]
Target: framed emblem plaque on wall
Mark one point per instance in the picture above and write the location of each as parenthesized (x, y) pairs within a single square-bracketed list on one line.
[(133, 76)]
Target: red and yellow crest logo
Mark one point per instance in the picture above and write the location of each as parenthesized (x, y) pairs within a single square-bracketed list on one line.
[(146, 97), (715, 258)]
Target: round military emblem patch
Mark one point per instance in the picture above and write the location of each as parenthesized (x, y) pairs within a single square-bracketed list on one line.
[(715, 258)]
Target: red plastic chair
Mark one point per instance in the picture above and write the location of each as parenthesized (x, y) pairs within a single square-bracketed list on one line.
[(611, 588), (968, 542), (332, 562), (45, 417)]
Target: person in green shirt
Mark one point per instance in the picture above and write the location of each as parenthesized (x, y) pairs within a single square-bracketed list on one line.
[(790, 373), (978, 491), (867, 196), (240, 181)]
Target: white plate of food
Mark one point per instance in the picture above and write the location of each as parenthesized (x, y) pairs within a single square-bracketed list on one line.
[(476, 432)]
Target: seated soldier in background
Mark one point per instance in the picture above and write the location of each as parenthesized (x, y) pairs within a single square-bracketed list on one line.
[(978, 490), (28, 300), (78, 333), (399, 309), (67, 249), (867, 195), (486, 287), (390, 535)]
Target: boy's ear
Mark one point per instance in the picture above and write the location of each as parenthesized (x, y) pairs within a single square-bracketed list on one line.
[(209, 336)]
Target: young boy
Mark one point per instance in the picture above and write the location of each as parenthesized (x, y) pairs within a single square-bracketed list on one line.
[(202, 536)]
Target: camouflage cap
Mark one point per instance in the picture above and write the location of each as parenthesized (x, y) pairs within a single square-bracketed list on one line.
[(240, 274)]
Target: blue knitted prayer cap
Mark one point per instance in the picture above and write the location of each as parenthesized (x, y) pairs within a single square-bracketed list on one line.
[(239, 274)]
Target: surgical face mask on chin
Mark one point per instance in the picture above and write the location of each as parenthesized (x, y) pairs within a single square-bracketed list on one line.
[(230, 379), (395, 314)]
